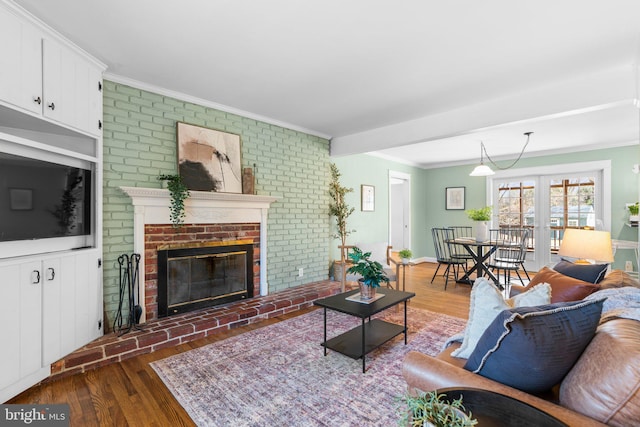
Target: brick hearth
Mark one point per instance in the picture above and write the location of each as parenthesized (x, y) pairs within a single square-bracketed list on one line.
[(174, 330)]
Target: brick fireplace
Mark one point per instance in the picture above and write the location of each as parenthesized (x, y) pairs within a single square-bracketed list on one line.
[(211, 218), (210, 238)]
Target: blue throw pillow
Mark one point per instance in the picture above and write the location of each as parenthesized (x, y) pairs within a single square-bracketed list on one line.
[(592, 273), (533, 348)]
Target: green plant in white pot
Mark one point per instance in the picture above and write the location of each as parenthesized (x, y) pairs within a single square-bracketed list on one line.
[(406, 255), (633, 212), (481, 217), (371, 271)]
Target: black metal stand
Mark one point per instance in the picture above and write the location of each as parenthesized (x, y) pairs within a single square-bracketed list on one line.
[(129, 291)]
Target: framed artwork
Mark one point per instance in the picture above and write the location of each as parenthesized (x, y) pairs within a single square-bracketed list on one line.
[(454, 198), (368, 194), (209, 159), (21, 199)]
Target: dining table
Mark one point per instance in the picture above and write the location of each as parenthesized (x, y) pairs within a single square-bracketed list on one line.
[(480, 252)]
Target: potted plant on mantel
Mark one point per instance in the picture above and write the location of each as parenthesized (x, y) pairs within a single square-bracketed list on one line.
[(179, 193), (481, 216), (372, 273), (406, 255)]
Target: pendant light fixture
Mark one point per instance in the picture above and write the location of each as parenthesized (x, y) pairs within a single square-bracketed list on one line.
[(484, 170)]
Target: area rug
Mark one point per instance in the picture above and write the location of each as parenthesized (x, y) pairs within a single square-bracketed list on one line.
[(278, 375)]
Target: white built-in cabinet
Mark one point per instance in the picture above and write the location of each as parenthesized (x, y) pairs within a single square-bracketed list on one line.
[(50, 103), (46, 77), (51, 306)]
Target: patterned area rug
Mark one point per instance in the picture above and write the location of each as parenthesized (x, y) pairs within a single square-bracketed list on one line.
[(278, 375)]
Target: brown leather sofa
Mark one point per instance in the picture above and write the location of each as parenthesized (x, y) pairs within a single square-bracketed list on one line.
[(602, 388)]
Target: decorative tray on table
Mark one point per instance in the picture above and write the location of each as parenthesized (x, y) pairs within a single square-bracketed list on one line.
[(356, 298)]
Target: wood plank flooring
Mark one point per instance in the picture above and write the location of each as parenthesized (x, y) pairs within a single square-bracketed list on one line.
[(131, 394)]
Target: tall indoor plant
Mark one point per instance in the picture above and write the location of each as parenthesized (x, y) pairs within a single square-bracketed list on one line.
[(339, 209), (371, 271), (179, 193), (481, 217)]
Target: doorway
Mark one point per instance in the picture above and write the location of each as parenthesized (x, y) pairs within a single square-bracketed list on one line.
[(399, 210), (548, 202)]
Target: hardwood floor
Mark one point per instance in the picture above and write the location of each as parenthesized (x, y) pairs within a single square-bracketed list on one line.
[(130, 393)]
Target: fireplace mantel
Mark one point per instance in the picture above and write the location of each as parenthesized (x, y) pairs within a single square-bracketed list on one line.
[(151, 206)]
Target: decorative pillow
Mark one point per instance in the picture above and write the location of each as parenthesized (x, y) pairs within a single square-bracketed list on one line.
[(533, 348), (563, 288), (592, 273), (487, 302), (618, 279)]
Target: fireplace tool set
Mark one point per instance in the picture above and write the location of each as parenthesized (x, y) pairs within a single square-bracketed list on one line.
[(129, 292)]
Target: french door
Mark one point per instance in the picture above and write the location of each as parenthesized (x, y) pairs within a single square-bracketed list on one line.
[(548, 202)]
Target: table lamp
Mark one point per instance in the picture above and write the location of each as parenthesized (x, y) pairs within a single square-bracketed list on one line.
[(586, 245)]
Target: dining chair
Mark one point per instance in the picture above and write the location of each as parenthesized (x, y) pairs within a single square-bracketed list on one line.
[(510, 254), (441, 238), (458, 251)]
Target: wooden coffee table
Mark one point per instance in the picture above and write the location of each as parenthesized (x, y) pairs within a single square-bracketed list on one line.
[(361, 340)]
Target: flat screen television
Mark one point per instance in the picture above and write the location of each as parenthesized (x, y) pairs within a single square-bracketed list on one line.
[(44, 199)]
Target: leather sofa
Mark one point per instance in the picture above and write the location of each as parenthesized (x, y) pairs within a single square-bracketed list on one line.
[(602, 388)]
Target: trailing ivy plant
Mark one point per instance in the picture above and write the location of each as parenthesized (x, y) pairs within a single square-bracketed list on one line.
[(179, 193)]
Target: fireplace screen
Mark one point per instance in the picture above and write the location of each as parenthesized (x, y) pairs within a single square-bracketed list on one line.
[(189, 279)]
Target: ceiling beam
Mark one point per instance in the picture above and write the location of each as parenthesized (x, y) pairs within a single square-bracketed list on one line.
[(605, 89)]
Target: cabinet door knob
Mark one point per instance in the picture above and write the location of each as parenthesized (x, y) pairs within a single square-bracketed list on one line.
[(37, 100), (52, 106), (52, 273), (35, 277)]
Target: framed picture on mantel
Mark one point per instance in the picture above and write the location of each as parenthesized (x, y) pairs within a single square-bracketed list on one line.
[(454, 198)]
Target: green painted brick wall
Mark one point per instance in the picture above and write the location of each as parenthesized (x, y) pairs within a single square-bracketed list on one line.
[(140, 143)]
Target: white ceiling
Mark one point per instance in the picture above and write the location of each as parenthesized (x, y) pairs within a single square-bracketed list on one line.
[(420, 81)]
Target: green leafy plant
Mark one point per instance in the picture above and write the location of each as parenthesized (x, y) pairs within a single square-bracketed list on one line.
[(431, 409), (179, 193), (482, 214), (372, 272), (634, 209), (339, 208), (405, 253)]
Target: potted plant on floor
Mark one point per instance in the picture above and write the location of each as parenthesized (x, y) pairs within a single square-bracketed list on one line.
[(430, 410), (406, 255), (341, 211), (372, 272), (481, 216), (179, 193)]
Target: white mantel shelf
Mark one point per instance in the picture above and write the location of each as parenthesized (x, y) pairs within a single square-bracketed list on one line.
[(151, 206)]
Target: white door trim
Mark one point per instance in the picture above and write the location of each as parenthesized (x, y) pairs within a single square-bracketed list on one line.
[(406, 198)]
